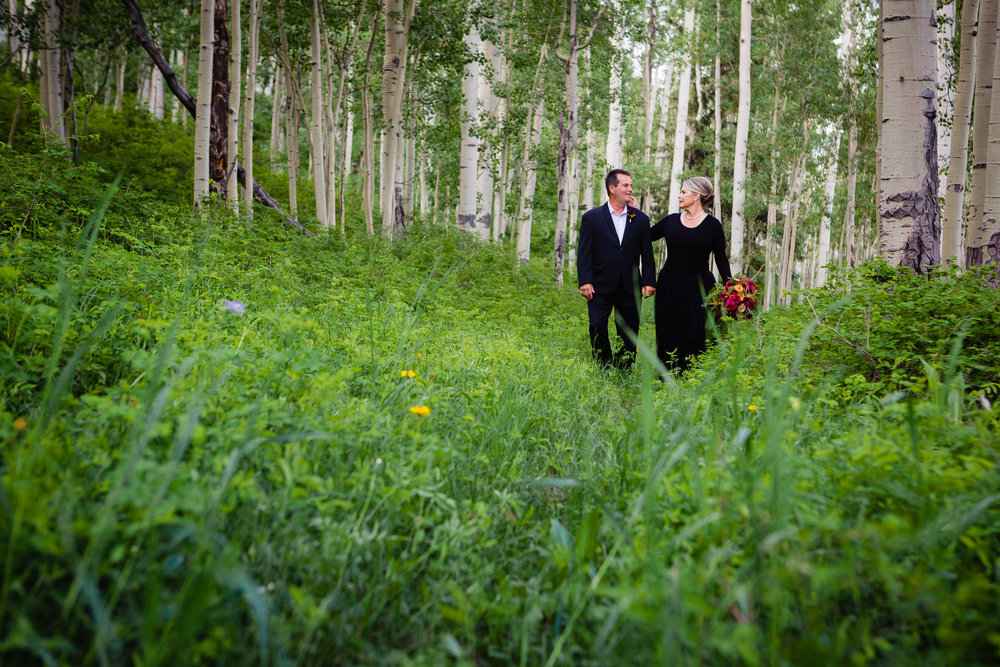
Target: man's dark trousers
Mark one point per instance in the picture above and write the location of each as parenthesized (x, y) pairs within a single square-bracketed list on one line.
[(624, 301)]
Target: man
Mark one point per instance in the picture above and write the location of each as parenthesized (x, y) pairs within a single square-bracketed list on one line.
[(613, 238)]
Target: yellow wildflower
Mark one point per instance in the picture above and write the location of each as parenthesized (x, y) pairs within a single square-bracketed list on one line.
[(751, 407), (420, 410), (411, 374), (20, 424), (402, 374)]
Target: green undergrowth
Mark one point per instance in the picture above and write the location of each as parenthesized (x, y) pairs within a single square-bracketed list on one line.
[(401, 453)]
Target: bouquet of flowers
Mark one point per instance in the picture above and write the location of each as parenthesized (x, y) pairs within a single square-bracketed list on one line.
[(737, 298)]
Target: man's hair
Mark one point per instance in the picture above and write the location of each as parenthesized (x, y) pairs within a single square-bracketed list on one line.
[(612, 178)]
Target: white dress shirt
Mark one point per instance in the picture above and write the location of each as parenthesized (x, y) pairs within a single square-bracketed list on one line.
[(619, 220)]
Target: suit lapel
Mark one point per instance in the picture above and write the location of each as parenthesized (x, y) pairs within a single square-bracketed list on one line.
[(608, 222), (629, 211)]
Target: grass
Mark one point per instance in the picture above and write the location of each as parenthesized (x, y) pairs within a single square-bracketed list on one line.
[(185, 485)]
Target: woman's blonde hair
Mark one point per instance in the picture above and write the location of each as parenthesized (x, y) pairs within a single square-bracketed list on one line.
[(703, 187)]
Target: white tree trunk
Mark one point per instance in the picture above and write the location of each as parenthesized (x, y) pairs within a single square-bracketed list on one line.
[(952, 246), (235, 79), (661, 133), (615, 144), (529, 176), (51, 82), (983, 243), (120, 80), (909, 215), (487, 152), (277, 134), (849, 41), (397, 29), (469, 157), (680, 128), (424, 198), (292, 117), (156, 92), (829, 190), (569, 130), (253, 53), (717, 165), (409, 175), (203, 114), (649, 84), (368, 157), (945, 94), (317, 134), (742, 135)]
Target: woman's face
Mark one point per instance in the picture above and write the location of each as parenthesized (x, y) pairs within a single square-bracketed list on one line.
[(687, 198)]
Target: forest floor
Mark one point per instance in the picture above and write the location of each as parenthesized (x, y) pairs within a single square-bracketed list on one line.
[(226, 443)]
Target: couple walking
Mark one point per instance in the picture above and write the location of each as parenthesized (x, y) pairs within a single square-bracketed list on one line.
[(615, 237)]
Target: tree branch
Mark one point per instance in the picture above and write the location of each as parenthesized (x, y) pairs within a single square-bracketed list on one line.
[(259, 193)]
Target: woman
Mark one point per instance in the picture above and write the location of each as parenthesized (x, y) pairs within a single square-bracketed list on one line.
[(685, 279)]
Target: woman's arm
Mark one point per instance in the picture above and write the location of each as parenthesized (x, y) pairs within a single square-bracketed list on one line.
[(719, 249), (659, 230)]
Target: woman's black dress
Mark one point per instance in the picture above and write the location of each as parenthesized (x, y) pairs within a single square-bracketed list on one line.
[(682, 285)]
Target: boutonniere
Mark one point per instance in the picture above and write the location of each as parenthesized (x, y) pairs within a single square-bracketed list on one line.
[(631, 216)]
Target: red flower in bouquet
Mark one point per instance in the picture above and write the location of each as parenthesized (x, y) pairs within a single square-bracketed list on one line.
[(737, 298)]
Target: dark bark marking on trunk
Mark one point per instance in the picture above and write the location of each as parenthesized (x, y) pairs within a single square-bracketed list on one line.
[(218, 148), (922, 249)]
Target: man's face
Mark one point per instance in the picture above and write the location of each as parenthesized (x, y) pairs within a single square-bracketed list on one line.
[(622, 192)]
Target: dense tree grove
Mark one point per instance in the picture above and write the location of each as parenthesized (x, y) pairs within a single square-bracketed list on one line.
[(360, 101)]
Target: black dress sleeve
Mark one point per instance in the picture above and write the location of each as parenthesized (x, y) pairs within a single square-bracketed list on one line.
[(719, 249), (659, 230)]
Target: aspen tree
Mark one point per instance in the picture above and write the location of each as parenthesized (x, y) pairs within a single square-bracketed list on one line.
[(368, 134), (469, 156), (218, 160), (235, 77), (983, 243), (614, 146), (909, 231), (253, 53), (829, 189), (487, 153), (51, 82), (277, 126), (398, 18), (850, 42), (954, 197), (945, 103), (317, 134), (569, 130), (203, 117), (506, 75), (683, 103), (649, 83), (529, 168), (742, 135), (717, 164), (661, 133)]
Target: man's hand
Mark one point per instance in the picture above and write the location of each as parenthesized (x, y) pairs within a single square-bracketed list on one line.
[(587, 291), (648, 291)]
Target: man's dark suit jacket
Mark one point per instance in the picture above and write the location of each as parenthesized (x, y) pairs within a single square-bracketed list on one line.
[(605, 264)]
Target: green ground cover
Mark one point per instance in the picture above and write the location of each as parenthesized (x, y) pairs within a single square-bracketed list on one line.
[(400, 453)]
